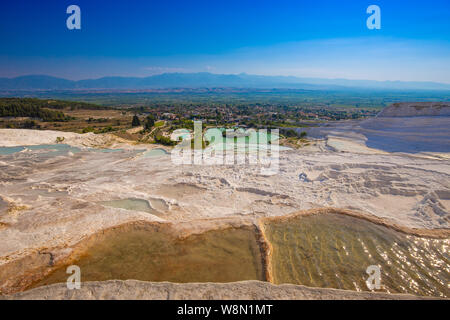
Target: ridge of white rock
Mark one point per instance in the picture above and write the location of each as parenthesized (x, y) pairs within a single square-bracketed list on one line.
[(246, 290), (416, 109), (25, 137)]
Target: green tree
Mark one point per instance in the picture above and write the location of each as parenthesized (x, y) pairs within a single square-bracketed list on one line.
[(136, 122), (149, 122)]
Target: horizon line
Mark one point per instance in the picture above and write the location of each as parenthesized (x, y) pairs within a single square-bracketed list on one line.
[(224, 74)]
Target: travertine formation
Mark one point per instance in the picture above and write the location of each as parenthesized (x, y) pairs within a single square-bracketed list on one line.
[(416, 109), (50, 203), (248, 290), (23, 137)]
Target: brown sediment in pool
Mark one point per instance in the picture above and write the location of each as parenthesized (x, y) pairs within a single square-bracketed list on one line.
[(328, 248), (435, 233), (157, 252), (332, 249)]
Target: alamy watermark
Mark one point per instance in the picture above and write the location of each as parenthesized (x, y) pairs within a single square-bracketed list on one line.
[(74, 281), (74, 20), (374, 280), (374, 21)]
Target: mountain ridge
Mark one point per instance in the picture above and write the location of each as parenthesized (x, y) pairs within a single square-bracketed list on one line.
[(205, 79)]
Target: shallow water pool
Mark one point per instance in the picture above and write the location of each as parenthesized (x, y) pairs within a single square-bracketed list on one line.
[(130, 204), (155, 153), (155, 253), (334, 251), (46, 149)]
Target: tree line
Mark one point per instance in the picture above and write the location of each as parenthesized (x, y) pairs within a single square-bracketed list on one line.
[(32, 111), (51, 104)]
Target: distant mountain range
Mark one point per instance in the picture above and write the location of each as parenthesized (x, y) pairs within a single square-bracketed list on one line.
[(209, 80)]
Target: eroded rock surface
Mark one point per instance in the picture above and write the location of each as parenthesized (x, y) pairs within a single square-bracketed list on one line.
[(249, 290), (416, 109), (55, 201)]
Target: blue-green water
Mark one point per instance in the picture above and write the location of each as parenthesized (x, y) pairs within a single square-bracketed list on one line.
[(155, 153), (153, 206), (4, 151), (107, 150), (50, 149), (250, 140)]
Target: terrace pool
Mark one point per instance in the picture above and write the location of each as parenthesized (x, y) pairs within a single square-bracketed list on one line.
[(155, 253), (243, 140), (155, 153), (48, 149), (154, 206), (334, 251)]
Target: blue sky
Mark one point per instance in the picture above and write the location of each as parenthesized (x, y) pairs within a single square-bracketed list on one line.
[(307, 38)]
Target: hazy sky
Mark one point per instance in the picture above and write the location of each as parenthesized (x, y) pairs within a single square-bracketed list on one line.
[(306, 38)]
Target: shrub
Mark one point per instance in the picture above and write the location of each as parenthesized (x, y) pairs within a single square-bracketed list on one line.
[(164, 140), (136, 122), (88, 129), (149, 122)]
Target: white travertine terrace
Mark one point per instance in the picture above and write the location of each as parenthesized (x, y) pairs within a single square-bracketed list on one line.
[(55, 203)]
